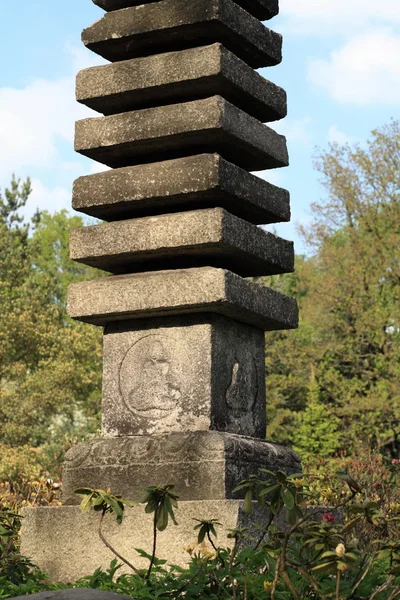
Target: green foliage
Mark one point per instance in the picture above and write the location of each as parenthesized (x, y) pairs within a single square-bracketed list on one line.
[(15, 461), (13, 566), (40, 491), (316, 428), (103, 502), (161, 502), (302, 553), (206, 528), (348, 289), (50, 367)]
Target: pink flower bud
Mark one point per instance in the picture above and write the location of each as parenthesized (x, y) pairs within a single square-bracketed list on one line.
[(328, 517)]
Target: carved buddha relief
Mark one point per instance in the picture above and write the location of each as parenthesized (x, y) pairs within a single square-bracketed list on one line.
[(149, 377)]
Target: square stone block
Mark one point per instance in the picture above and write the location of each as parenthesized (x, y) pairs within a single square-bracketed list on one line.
[(176, 130), (201, 465), (194, 238), (189, 183), (180, 77), (181, 375), (181, 292), (65, 544), (262, 9), (178, 24)]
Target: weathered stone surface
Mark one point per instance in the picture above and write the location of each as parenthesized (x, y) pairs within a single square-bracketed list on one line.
[(177, 24), (176, 130), (262, 9), (178, 77), (202, 465), (182, 374), (186, 183), (182, 291), (65, 544), (74, 594), (211, 237)]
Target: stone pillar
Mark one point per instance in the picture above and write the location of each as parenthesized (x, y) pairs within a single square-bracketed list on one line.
[(183, 127)]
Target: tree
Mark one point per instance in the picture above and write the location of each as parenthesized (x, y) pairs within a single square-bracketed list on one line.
[(349, 292), (50, 366), (316, 428)]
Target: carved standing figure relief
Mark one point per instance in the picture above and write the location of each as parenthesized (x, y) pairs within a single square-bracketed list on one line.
[(242, 391), (148, 378)]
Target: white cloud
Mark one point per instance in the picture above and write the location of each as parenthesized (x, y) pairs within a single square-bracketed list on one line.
[(365, 70), (337, 136), (321, 17), (273, 176), (34, 119), (52, 200), (82, 58), (297, 131), (71, 166), (97, 167)]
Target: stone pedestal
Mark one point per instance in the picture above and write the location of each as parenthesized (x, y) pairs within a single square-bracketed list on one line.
[(202, 465), (182, 126), (64, 541)]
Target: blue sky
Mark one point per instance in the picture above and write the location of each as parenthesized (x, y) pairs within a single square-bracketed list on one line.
[(341, 70)]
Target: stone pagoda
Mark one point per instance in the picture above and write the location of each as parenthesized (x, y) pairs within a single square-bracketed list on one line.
[(182, 128)]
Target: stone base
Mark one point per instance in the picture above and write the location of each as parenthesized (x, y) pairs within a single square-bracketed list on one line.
[(64, 542), (201, 465)]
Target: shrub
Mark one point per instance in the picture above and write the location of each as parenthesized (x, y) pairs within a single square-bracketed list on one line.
[(349, 550), (19, 462), (13, 567), (22, 492)]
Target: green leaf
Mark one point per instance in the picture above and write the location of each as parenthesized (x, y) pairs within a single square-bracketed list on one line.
[(383, 554), (329, 554), (267, 472), (271, 488), (351, 556), (329, 567), (162, 518), (351, 524), (288, 498), (115, 506), (98, 501), (281, 476), (6, 533), (248, 504), (150, 508), (292, 515), (171, 513), (86, 503), (84, 491), (202, 534), (213, 531)]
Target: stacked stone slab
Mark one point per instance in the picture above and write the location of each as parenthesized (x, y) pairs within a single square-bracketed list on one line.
[(183, 126)]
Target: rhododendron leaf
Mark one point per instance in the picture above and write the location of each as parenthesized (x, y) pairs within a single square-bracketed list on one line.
[(288, 498)]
